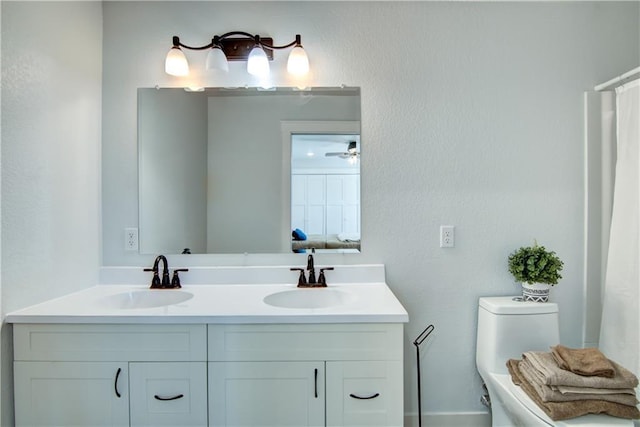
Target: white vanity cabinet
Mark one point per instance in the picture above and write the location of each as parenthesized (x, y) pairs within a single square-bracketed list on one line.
[(168, 394), (293, 374), (266, 394), (364, 393), (110, 375), (71, 394), (305, 375)]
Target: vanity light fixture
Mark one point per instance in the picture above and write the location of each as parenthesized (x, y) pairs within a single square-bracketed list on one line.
[(238, 46)]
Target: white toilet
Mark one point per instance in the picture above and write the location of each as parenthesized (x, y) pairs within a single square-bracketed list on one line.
[(507, 328)]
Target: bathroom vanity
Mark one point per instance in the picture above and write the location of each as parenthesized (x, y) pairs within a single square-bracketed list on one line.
[(124, 355)]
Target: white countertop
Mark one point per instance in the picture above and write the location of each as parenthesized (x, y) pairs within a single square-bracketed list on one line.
[(371, 302)]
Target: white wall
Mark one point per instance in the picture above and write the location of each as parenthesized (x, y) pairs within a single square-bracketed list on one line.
[(51, 105), (471, 115), (1, 311)]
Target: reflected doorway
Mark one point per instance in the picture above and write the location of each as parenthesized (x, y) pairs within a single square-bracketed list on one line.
[(325, 192)]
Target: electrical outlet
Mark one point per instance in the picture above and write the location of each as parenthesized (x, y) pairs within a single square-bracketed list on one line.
[(130, 239), (447, 236)]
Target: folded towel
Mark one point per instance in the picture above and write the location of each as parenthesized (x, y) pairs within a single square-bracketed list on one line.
[(548, 394), (550, 373), (583, 361), (589, 390), (565, 410)]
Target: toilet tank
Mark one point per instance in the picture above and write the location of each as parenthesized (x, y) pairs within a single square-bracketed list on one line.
[(508, 327)]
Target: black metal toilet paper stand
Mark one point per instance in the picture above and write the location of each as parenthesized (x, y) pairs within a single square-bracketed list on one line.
[(419, 340)]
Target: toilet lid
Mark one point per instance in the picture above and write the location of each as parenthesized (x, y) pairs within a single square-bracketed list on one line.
[(583, 421)]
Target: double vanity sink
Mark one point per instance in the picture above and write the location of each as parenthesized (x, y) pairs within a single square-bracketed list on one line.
[(239, 303), (293, 298), (122, 354)]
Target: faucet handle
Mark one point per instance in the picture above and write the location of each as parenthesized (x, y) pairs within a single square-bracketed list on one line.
[(321, 279), (302, 280), (155, 281), (175, 280)]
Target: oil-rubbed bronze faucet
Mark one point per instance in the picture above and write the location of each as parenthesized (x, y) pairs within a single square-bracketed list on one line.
[(311, 282), (165, 283), (310, 269)]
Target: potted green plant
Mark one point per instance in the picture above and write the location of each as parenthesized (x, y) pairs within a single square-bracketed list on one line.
[(537, 269)]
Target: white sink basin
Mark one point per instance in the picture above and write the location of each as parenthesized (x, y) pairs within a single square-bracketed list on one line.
[(308, 298), (147, 298)]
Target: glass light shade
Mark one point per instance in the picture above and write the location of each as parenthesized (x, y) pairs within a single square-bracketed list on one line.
[(216, 60), (298, 63), (258, 63), (176, 63)]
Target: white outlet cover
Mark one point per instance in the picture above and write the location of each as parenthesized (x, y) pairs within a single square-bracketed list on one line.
[(447, 236), (131, 239)]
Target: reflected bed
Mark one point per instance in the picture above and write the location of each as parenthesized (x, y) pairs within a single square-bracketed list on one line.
[(321, 241)]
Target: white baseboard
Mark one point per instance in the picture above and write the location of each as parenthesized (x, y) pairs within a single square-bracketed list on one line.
[(449, 419)]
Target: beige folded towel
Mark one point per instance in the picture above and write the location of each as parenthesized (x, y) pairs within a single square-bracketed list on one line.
[(550, 373), (565, 410), (589, 390), (583, 361), (548, 394)]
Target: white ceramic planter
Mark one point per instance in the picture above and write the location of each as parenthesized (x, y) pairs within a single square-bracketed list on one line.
[(535, 292)]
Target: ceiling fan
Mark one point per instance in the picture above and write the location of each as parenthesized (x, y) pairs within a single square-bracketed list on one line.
[(351, 153)]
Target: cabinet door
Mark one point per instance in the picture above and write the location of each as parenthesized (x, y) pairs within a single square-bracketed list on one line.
[(71, 394), (168, 394), (275, 394), (364, 393)]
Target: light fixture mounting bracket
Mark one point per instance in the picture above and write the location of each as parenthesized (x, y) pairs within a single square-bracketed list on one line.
[(237, 49)]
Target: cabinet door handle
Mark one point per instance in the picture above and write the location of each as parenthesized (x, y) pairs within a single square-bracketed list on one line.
[(180, 396), (373, 396), (115, 383), (315, 382)]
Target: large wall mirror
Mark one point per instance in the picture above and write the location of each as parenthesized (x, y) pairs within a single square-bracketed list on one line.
[(238, 170)]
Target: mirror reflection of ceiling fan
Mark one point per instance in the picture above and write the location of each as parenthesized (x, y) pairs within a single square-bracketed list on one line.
[(352, 152)]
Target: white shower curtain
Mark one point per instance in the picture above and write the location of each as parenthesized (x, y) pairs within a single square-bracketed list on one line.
[(620, 328)]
